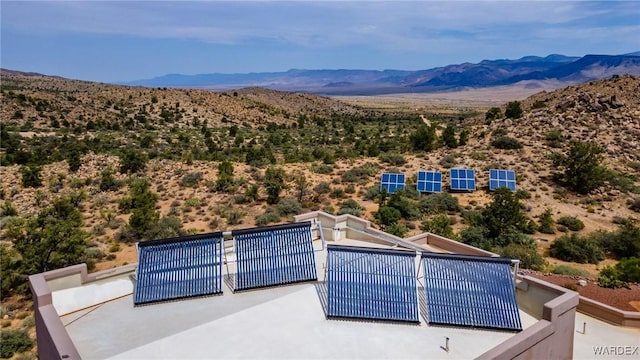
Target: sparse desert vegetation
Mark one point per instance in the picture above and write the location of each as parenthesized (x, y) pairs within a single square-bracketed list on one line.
[(88, 169)]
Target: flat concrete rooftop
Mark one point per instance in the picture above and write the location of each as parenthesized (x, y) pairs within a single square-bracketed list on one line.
[(279, 322)]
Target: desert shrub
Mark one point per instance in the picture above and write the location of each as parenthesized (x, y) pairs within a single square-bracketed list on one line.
[(439, 203), (492, 114), (576, 249), (251, 193), (523, 194), (372, 193), (609, 277), (387, 215), (7, 209), (132, 161), (582, 169), (359, 174), (621, 243), (629, 269), (399, 230), (571, 222), (108, 181), (337, 193), (393, 159), (31, 175), (351, 207), (635, 205), (424, 138), (568, 270), (538, 104), (270, 215), (289, 207), (530, 227), (475, 236), (322, 188), (506, 143), (14, 341), (274, 182), (191, 179), (513, 110), (528, 256), (439, 225), (448, 161), (547, 224), (408, 208), (322, 169)]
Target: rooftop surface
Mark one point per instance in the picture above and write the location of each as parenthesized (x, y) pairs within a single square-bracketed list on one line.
[(279, 322)]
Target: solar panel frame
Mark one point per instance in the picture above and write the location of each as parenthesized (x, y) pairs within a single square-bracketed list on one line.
[(372, 284), (502, 178), (274, 255), (462, 179), (392, 182), (429, 181), (175, 268), (472, 291)]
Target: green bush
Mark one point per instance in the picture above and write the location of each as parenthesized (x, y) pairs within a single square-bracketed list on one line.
[(448, 161), (439, 225), (191, 179), (360, 174), (582, 169), (523, 194), (506, 143), (623, 242), (513, 110), (270, 215), (351, 207), (547, 225), (571, 222), (399, 230), (568, 270), (576, 249), (289, 207), (629, 269), (14, 341), (439, 203), (387, 215), (528, 256), (492, 114), (610, 278), (393, 159)]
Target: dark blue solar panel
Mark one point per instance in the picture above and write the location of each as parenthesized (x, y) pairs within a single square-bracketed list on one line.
[(392, 182), (274, 255), (462, 179), (470, 291), (502, 178), (429, 181), (178, 268), (369, 283)]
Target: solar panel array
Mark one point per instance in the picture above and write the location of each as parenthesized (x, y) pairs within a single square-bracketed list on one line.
[(470, 291), (462, 179), (502, 178), (178, 268), (367, 283), (429, 181), (392, 182), (274, 255)]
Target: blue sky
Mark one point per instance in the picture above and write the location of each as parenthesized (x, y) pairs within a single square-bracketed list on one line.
[(114, 41)]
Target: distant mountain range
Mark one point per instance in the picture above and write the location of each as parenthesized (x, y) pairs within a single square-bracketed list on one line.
[(487, 73)]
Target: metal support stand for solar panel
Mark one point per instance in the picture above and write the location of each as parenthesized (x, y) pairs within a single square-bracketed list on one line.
[(227, 234), (446, 345), (516, 268)]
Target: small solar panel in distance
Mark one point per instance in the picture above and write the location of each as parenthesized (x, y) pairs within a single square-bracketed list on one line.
[(502, 178), (392, 182), (462, 179), (429, 181)]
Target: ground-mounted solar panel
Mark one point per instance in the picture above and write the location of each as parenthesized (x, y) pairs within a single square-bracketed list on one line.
[(392, 182), (462, 179), (274, 255), (367, 283), (429, 182), (176, 268), (472, 291), (502, 178)]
